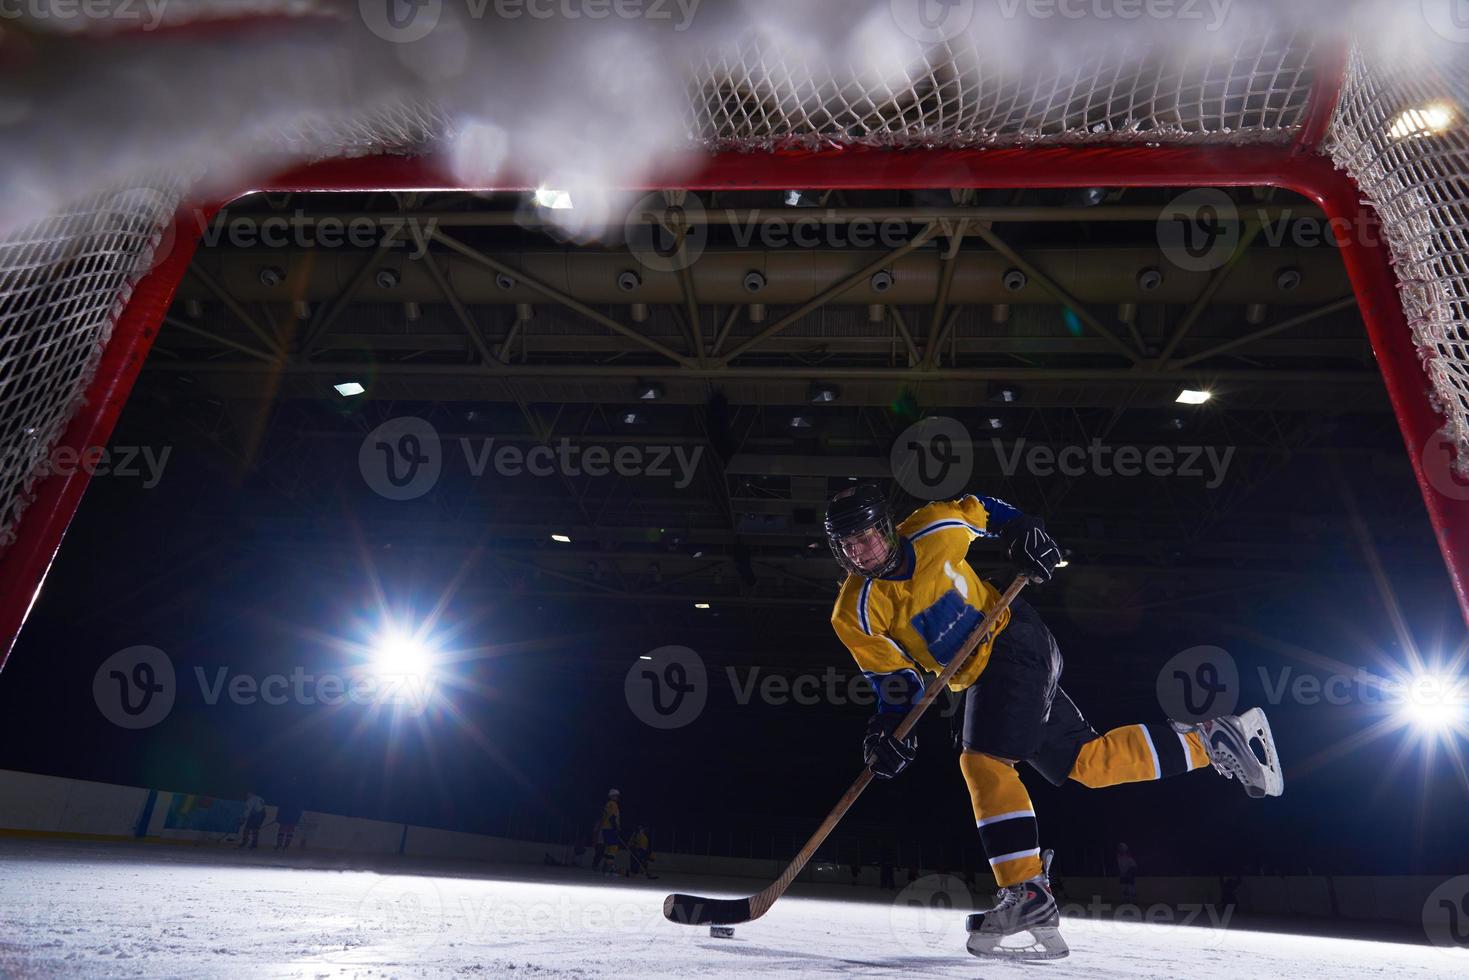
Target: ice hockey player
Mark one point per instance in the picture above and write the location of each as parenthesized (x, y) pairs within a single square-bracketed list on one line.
[(640, 854), (608, 835), (907, 606), (254, 819)]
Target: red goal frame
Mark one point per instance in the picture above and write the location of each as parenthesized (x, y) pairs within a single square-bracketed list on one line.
[(1298, 167)]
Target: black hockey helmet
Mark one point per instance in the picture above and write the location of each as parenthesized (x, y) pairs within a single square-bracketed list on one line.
[(850, 516)]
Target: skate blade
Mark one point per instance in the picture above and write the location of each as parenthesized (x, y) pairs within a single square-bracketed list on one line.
[(1045, 944), (1257, 731)]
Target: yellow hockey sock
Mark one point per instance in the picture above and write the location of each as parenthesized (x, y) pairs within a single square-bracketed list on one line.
[(1138, 753), (1005, 818)]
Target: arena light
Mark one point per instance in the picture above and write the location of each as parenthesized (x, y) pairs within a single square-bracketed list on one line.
[(553, 200), (349, 389), (1429, 120), (1434, 702), (1193, 396), (701, 605), (561, 539), (397, 653)]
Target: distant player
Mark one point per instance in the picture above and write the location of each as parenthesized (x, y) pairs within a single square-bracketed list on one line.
[(254, 819), (1127, 874), (907, 607), (608, 834), (640, 854)]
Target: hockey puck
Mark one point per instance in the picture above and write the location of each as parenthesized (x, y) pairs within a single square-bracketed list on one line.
[(722, 932)]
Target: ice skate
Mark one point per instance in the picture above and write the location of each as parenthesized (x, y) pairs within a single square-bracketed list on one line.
[(1241, 747), (1026, 912)]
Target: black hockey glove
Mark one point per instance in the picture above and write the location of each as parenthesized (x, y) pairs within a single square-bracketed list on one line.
[(1030, 548), (884, 754)]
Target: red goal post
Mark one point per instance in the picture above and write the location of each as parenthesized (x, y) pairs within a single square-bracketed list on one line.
[(1405, 197)]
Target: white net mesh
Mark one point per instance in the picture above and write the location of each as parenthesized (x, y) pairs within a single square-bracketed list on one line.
[(64, 281), (744, 96), (1399, 131), (63, 284)]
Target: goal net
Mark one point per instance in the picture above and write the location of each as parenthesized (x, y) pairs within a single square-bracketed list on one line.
[(1376, 136)]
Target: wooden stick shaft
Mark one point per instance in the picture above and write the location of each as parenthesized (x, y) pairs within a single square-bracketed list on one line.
[(760, 903)]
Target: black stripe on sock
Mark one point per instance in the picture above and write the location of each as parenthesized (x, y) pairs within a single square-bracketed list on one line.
[(1172, 759), (1009, 836)]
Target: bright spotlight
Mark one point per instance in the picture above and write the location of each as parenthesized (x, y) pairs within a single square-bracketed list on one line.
[(401, 655), (1434, 703), (1430, 120), (1190, 396), (553, 199)]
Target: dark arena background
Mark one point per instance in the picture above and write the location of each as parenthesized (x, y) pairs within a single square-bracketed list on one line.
[(419, 421)]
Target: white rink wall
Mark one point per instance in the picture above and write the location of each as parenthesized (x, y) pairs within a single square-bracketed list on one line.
[(37, 805)]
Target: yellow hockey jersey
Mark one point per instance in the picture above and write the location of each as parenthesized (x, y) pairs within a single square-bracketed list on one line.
[(896, 627), (611, 816)]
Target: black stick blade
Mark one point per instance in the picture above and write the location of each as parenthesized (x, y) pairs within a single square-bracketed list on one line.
[(690, 910)]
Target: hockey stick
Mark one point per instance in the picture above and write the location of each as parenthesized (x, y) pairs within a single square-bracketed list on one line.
[(694, 911)]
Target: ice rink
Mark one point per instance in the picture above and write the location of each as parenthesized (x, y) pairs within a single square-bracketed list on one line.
[(93, 910)]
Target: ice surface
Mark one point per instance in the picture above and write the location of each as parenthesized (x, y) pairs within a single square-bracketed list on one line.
[(92, 910)]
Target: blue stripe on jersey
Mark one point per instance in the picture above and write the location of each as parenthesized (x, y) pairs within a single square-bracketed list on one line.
[(944, 525), (1000, 512), (897, 691), (862, 606)]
